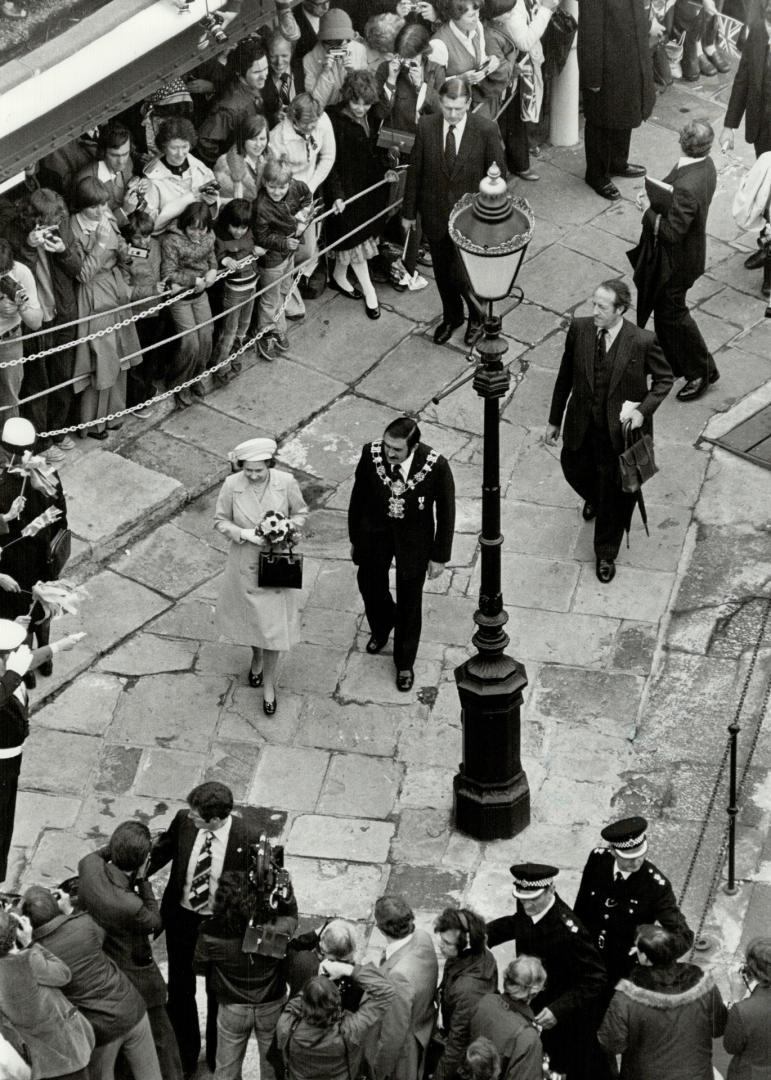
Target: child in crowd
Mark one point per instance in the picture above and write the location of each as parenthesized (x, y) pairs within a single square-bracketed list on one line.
[(144, 273), (235, 242), (188, 261), (281, 214)]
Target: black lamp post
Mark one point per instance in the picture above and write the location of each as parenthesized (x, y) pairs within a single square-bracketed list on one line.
[(492, 230)]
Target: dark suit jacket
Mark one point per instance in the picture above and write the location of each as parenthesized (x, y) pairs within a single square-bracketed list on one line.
[(413, 972), (305, 42), (747, 91), (748, 1036), (431, 190), (426, 530), (683, 229), (636, 355), (176, 844)]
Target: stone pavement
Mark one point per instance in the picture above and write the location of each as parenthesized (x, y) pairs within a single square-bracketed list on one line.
[(630, 686)]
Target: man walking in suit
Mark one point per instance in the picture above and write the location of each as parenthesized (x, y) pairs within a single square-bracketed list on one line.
[(682, 232), (453, 151), (202, 844), (412, 969), (402, 507), (605, 366)]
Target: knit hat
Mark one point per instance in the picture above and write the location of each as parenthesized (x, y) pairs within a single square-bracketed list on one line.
[(173, 92), (335, 25)]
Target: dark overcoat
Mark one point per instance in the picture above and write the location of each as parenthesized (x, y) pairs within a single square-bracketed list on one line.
[(611, 911), (747, 91), (613, 54), (358, 164), (683, 229)]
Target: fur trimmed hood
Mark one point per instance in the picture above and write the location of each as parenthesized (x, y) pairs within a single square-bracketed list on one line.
[(666, 988)]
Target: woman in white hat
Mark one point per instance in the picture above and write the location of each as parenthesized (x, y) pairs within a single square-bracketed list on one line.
[(267, 619)]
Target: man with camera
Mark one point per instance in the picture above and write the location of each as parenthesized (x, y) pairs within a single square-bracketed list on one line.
[(19, 309), (202, 843), (335, 54), (115, 168), (241, 951), (113, 888)]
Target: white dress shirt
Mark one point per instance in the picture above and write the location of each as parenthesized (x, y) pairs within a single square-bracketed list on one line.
[(460, 127), (405, 466), (612, 332), (219, 845)]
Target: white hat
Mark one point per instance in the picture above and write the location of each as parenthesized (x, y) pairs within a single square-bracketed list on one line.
[(18, 432), (12, 634), (253, 450)]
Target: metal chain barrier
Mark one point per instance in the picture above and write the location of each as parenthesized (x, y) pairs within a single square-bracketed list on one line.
[(295, 273), (720, 857)]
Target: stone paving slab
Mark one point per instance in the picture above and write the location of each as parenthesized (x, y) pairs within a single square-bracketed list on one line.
[(642, 594), (143, 717), (330, 445), (85, 707), (170, 560), (366, 729), (289, 777), (169, 773), (317, 342), (356, 785), (411, 374), (358, 840), (130, 497), (147, 654), (346, 890), (194, 468)]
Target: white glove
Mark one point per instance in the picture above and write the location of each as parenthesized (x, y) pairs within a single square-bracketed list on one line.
[(19, 660)]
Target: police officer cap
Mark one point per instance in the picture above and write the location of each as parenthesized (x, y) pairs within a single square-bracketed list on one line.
[(18, 432), (11, 635), (530, 879), (627, 837)]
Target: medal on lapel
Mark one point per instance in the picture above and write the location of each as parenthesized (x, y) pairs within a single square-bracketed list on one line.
[(396, 502), (398, 488)]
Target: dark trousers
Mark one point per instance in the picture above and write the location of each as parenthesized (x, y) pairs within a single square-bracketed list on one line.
[(515, 136), (607, 152), (405, 616), (451, 281), (181, 936), (9, 783), (592, 471), (50, 412), (685, 350)]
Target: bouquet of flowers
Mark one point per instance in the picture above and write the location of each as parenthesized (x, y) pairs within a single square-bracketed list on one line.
[(277, 530)]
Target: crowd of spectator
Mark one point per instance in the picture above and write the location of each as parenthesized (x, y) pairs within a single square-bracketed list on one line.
[(82, 997), (212, 187)]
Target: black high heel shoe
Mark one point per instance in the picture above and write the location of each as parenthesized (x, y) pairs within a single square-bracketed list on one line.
[(255, 678), (269, 707)]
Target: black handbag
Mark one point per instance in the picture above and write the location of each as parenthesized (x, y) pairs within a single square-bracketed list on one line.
[(59, 550), (280, 570), (558, 41)]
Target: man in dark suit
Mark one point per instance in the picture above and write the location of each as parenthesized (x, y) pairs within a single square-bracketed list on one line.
[(620, 889), (567, 1009), (402, 507), (453, 151), (201, 844), (616, 74), (411, 965), (682, 233), (605, 365), (114, 890), (751, 98)]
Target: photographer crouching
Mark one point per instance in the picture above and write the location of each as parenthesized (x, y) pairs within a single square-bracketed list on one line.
[(241, 950)]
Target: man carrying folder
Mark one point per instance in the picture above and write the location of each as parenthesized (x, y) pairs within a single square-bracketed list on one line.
[(678, 222)]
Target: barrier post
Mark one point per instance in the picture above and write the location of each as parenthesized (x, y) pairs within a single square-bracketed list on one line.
[(563, 130)]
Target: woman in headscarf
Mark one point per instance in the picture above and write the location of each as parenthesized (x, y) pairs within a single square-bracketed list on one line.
[(267, 619)]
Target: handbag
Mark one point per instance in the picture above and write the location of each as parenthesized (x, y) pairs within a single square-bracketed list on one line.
[(280, 570), (636, 463), (59, 550), (392, 139), (557, 41)]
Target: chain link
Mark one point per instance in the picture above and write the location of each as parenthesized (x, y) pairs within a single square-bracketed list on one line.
[(182, 386), (720, 858)]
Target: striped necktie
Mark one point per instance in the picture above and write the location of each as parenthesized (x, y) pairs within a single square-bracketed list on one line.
[(199, 889)]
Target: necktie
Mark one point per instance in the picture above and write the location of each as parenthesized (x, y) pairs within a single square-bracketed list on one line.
[(450, 149), (199, 889), (619, 877), (602, 346), (283, 91)]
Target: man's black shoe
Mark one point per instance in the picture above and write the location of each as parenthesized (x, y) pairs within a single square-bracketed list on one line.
[(630, 171), (375, 644), (694, 388), (756, 259), (608, 191), (405, 680), (472, 332), (606, 570), (588, 513), (444, 331)]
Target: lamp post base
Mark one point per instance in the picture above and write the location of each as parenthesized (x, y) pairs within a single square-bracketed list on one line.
[(491, 796)]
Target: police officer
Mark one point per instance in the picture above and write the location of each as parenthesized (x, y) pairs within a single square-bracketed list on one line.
[(620, 889), (567, 1008)]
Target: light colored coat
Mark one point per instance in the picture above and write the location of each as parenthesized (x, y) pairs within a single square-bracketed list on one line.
[(247, 614), (404, 1035)]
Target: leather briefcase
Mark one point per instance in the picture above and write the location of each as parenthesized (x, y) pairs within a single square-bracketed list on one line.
[(637, 463)]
